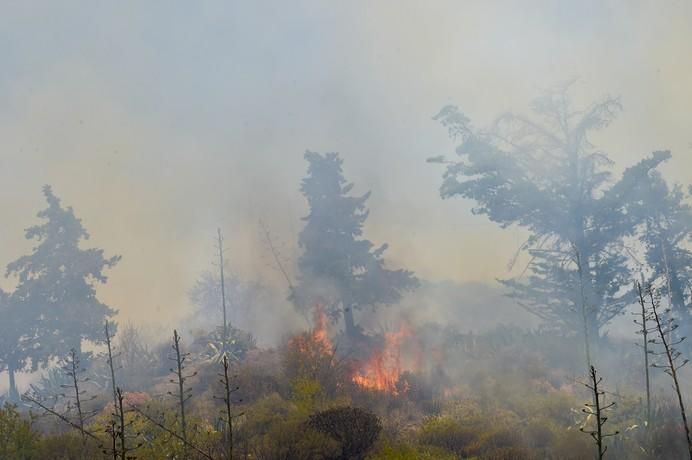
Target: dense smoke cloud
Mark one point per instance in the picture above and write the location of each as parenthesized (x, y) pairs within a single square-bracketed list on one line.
[(160, 122)]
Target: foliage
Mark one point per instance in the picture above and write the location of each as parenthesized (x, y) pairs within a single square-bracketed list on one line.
[(446, 433), (18, 329), (544, 175), (17, 439), (306, 358), (54, 305), (137, 364), (157, 442), (505, 404), (666, 233), (355, 429), (389, 450), (338, 267)]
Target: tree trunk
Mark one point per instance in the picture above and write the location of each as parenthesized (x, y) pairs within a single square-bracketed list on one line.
[(348, 321), (677, 297), (14, 394)]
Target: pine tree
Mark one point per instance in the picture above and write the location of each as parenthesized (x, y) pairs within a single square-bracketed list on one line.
[(542, 173), (55, 304), (338, 267), (666, 234)]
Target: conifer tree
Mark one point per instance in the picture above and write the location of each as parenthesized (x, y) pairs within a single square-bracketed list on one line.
[(54, 304), (666, 234), (338, 266), (542, 173)]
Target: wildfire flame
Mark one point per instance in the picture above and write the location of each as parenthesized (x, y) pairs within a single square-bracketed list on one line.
[(316, 341), (381, 371), (320, 333)]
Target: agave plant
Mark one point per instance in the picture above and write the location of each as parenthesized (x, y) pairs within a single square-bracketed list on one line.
[(237, 344)]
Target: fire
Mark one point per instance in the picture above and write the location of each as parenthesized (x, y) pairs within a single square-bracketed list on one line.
[(320, 333), (316, 341), (382, 369)]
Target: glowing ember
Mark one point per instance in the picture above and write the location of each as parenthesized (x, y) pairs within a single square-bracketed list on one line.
[(382, 370)]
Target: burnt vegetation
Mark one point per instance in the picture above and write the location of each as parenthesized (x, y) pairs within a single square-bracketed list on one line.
[(366, 378)]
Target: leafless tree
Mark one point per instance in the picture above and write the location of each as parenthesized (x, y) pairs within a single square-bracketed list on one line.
[(34, 398), (109, 360), (120, 429), (228, 390), (172, 433), (671, 358), (183, 394), (644, 321), (597, 409), (223, 292), (67, 406)]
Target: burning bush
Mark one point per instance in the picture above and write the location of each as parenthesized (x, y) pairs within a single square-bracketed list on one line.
[(382, 369), (311, 356)]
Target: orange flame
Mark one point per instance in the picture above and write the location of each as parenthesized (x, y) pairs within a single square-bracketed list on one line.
[(382, 370), (320, 333), (317, 340)]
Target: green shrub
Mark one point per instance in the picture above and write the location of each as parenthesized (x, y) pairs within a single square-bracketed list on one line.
[(293, 440), (448, 434), (354, 429), (17, 439), (388, 450), (68, 446)]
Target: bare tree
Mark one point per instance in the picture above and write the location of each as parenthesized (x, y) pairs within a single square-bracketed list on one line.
[(665, 338), (183, 394), (597, 409), (228, 390), (644, 321), (72, 369), (112, 428), (109, 347), (172, 433), (67, 406), (223, 292), (34, 398), (279, 264), (120, 430), (121, 424)]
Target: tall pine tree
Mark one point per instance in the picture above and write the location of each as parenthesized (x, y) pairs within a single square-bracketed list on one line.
[(338, 267), (54, 304), (542, 173)]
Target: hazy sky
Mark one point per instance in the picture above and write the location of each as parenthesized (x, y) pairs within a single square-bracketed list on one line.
[(159, 121)]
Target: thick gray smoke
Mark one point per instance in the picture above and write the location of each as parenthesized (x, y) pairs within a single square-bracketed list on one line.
[(160, 122)]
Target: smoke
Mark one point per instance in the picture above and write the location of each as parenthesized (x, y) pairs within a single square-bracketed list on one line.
[(159, 122)]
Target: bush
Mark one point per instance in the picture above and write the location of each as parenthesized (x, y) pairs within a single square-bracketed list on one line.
[(293, 440), (306, 357), (448, 434), (403, 451), (17, 439), (68, 446), (355, 429)]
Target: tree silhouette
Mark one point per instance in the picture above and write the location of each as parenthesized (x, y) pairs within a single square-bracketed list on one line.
[(54, 305), (543, 174), (338, 266)]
